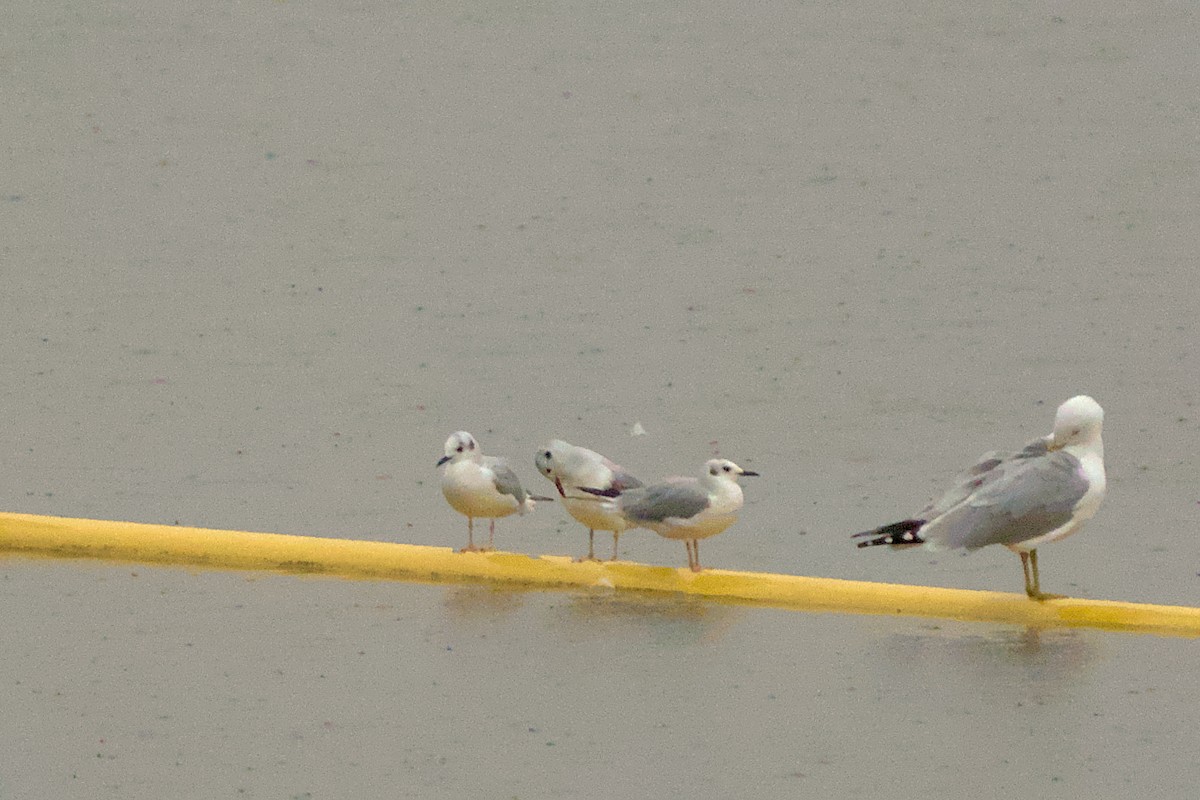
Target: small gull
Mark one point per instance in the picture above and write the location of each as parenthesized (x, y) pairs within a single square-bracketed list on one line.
[(690, 509), (476, 485), (1043, 493), (569, 467)]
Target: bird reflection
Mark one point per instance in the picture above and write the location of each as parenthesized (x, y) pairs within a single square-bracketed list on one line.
[(1046, 661), (479, 602), (668, 618)]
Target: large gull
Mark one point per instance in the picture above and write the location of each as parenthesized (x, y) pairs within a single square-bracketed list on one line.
[(1042, 493)]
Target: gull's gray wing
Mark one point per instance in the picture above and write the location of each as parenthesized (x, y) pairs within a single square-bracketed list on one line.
[(980, 473), (622, 481), (1018, 499), (657, 503), (507, 481)]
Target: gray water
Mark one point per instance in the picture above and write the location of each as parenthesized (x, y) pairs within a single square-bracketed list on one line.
[(259, 261)]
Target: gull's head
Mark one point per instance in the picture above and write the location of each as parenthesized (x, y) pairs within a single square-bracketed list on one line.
[(725, 469), (547, 460), (460, 445), (1078, 421)]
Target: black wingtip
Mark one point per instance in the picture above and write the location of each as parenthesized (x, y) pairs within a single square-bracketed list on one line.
[(600, 492), (898, 533)]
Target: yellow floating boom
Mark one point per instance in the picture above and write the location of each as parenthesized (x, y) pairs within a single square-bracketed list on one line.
[(216, 549)]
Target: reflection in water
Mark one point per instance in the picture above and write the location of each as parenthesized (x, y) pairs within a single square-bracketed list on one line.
[(669, 619), (480, 602), (1043, 662)]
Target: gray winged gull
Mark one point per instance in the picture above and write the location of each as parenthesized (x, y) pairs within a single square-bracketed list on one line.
[(690, 509), (481, 486), (1042, 493), (570, 467)]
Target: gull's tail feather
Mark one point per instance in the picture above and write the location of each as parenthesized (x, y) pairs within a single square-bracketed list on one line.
[(898, 534), (530, 503)]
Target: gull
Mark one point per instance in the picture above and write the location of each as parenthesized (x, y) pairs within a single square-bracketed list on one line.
[(1040, 494), (569, 468), (690, 509), (476, 485)]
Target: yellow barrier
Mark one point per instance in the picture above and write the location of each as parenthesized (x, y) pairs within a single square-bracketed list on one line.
[(217, 549)]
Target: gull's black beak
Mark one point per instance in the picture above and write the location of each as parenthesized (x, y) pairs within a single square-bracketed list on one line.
[(558, 485), (748, 474), (443, 460)]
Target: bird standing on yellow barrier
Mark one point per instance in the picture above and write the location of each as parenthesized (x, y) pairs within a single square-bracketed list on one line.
[(1041, 494), (690, 509), (481, 486), (569, 467)]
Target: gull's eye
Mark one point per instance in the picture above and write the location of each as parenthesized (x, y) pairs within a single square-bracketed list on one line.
[(548, 454), (727, 468), (458, 449)]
